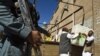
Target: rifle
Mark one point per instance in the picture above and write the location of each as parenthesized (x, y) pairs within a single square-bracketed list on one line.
[(31, 17)]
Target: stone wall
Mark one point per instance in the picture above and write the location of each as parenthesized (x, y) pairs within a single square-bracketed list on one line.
[(89, 15)]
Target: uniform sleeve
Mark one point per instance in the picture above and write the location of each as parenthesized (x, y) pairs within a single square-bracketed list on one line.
[(25, 32), (16, 29)]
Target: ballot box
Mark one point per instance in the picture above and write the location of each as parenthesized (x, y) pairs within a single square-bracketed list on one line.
[(79, 40)]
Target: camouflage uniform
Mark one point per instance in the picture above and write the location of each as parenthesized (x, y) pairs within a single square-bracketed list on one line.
[(10, 46)]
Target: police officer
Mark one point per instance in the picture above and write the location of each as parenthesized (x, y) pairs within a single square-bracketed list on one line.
[(16, 33)]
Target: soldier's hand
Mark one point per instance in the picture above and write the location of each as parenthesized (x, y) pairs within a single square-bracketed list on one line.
[(35, 38)]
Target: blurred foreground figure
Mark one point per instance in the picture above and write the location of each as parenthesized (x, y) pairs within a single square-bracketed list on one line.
[(14, 32)]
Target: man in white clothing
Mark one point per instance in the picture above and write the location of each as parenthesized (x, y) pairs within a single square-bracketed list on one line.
[(65, 44), (89, 42)]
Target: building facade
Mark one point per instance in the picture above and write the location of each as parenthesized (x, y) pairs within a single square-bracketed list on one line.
[(72, 12)]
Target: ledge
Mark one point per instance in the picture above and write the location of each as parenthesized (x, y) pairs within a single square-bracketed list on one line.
[(50, 43)]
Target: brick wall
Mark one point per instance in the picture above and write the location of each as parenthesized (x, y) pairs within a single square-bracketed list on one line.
[(91, 11), (49, 50)]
